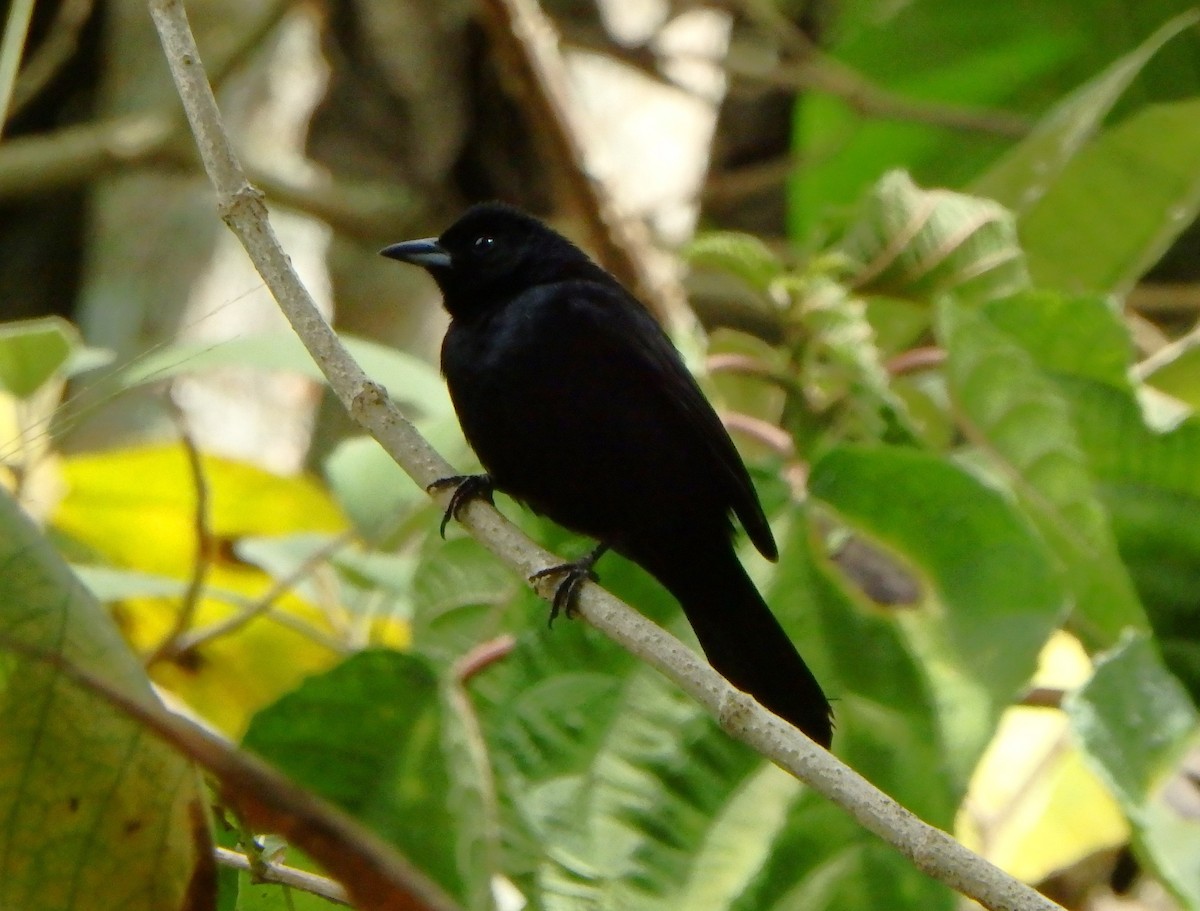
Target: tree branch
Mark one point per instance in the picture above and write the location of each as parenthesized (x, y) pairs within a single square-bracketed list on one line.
[(187, 640), (376, 876), (810, 68), (283, 875), (930, 849), (12, 44), (527, 47), (45, 61), (168, 646)]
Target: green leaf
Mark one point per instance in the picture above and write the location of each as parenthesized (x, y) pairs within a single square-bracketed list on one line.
[(1121, 448), (374, 491), (839, 369), (472, 797), (1136, 724), (32, 351), (993, 57), (459, 592), (916, 244), (883, 708), (1178, 376), (666, 795), (995, 596), (743, 255), (84, 358), (107, 583), (1023, 424), (368, 484), (96, 812), (1082, 336), (1151, 488), (831, 864), (616, 790), (619, 790), (371, 581), (1024, 174), (366, 735), (1119, 204), (407, 378)]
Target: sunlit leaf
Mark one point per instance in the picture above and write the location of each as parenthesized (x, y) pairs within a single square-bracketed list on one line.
[(1023, 424), (152, 489), (1027, 170), (96, 811), (743, 255), (1151, 489), (1034, 807), (913, 243), (1081, 336), (366, 735), (1120, 203), (134, 509), (1136, 724), (32, 351), (995, 595)]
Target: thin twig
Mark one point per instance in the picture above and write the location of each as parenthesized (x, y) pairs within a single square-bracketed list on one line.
[(1043, 697), (12, 45), (168, 646), (376, 875), (1165, 298), (916, 360), (764, 432), (263, 605), (73, 155), (1168, 353), (829, 77), (745, 365), (812, 69), (930, 849), (483, 656), (732, 184), (50, 55), (283, 875), (809, 69)]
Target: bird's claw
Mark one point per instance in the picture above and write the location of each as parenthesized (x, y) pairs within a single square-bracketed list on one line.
[(574, 575), (467, 487)]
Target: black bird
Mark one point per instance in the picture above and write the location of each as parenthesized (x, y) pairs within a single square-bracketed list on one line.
[(578, 405)]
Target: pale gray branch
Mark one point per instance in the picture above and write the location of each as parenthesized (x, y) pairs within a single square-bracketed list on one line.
[(283, 875)]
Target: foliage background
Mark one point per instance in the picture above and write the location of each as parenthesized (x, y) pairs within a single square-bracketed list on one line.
[(969, 413)]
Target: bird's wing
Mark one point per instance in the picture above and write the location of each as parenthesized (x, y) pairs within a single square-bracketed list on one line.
[(621, 330)]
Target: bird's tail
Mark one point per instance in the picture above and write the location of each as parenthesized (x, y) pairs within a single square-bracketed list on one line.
[(742, 639)]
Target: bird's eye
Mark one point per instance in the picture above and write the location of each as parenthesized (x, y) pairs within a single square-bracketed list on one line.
[(483, 243)]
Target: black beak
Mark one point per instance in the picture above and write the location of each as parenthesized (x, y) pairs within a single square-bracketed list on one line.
[(427, 253)]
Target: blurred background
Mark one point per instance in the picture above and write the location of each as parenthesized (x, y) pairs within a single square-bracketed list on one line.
[(370, 122), (755, 170)]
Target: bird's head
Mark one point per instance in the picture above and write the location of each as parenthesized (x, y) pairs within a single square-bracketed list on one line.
[(491, 254)]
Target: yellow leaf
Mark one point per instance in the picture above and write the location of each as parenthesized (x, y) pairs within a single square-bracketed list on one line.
[(135, 509), (1033, 806)]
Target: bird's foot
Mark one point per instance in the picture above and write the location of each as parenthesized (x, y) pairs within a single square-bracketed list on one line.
[(573, 574), (467, 487)]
